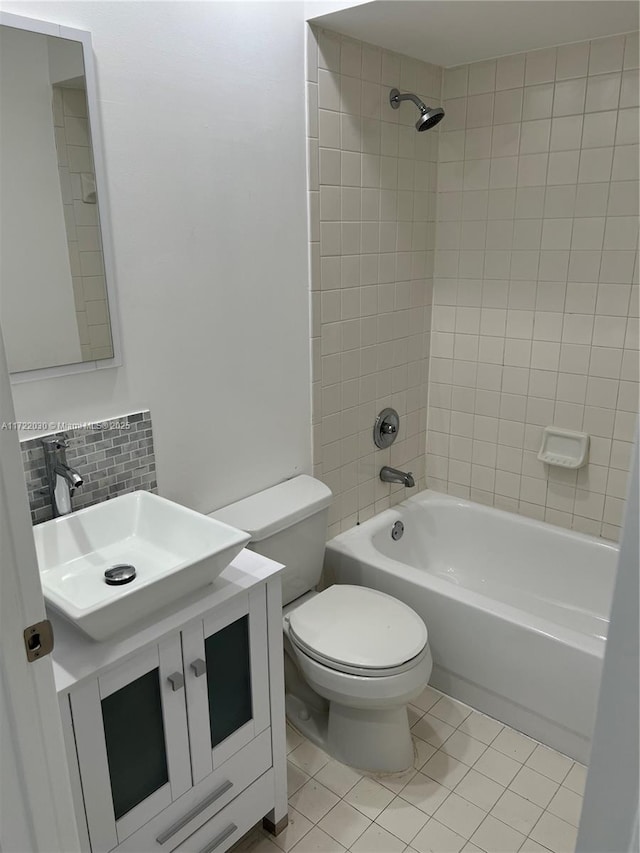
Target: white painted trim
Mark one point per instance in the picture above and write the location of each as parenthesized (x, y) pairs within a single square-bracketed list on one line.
[(276, 685), (258, 648), (94, 766), (74, 773), (126, 672), (197, 703), (36, 767), (174, 711), (95, 128), (609, 819), (149, 808)]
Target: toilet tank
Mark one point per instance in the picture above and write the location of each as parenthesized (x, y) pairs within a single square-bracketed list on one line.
[(287, 523)]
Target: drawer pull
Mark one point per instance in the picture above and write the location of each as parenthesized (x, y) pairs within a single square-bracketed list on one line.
[(195, 811), (217, 841), (176, 680), (199, 667)]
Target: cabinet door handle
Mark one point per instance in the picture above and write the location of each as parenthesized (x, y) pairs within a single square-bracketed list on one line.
[(195, 811), (199, 667), (176, 680), (217, 841)]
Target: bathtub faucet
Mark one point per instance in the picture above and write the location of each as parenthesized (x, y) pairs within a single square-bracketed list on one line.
[(392, 475)]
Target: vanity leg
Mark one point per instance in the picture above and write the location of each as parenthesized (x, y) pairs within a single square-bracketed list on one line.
[(275, 828)]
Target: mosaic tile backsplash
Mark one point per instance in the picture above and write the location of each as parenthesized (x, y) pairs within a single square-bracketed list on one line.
[(112, 460)]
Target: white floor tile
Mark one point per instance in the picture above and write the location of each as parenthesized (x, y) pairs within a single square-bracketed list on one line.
[(437, 838), (480, 790), (432, 729), (293, 738), (445, 769), (531, 846), (450, 710), (297, 827), (375, 839), (317, 841), (549, 762), (397, 781), (566, 805), (255, 841), (425, 793), (313, 800), (576, 778), (517, 812), (338, 777), (497, 766), (476, 786), (369, 797), (555, 834), (308, 757), (460, 815), (514, 744), (344, 823), (533, 786), (463, 747), (402, 819), (296, 778), (493, 836), (481, 728), (427, 698), (423, 752), (414, 713)]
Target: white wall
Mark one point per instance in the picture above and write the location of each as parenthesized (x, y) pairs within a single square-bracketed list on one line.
[(203, 110), (610, 812), (35, 273)]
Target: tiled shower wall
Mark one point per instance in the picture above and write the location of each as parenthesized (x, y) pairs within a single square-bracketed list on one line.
[(75, 158), (372, 221), (535, 317)]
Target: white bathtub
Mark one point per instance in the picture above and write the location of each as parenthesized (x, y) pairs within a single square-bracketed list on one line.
[(517, 610)]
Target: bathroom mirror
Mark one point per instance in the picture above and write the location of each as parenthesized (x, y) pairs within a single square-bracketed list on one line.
[(56, 282)]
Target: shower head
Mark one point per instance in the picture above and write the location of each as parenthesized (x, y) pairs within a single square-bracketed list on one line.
[(429, 116)]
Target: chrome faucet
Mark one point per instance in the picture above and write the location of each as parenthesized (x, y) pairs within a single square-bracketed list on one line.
[(62, 481), (392, 475)]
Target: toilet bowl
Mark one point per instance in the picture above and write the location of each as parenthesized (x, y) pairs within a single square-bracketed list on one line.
[(367, 655), (354, 656)]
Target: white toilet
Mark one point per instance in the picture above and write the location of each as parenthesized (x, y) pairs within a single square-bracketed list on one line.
[(354, 657)]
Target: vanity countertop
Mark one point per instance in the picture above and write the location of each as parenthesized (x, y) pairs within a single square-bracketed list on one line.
[(76, 657)]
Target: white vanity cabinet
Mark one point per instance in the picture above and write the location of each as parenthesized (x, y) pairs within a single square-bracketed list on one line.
[(178, 743)]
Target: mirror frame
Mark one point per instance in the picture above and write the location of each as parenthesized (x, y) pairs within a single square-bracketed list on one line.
[(48, 28)]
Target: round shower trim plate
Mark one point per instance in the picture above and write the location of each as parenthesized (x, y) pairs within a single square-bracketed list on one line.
[(386, 428)]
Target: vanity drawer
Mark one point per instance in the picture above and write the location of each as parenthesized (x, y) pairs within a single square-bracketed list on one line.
[(229, 825), (188, 813)]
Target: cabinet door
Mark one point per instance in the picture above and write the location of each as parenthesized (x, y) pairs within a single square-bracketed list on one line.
[(227, 679), (132, 742)]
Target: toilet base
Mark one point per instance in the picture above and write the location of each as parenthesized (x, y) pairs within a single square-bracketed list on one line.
[(367, 739)]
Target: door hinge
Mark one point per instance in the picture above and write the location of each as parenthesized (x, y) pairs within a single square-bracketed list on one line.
[(38, 640)]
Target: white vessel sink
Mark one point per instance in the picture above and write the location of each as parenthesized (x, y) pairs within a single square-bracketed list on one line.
[(174, 551)]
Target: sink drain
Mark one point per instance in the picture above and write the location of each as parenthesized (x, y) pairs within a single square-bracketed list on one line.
[(120, 574)]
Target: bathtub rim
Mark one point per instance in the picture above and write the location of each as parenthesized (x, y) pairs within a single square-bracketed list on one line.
[(367, 553)]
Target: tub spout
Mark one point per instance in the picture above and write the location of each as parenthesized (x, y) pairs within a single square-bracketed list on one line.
[(392, 475)]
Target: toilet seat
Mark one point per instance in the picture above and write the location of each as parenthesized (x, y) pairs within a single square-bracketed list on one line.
[(359, 631)]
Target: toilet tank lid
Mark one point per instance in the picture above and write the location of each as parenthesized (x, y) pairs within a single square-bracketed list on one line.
[(272, 510)]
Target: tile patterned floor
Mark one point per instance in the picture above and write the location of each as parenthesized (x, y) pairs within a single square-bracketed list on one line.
[(476, 785)]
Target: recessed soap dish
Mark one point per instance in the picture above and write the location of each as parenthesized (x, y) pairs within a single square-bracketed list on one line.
[(564, 447)]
